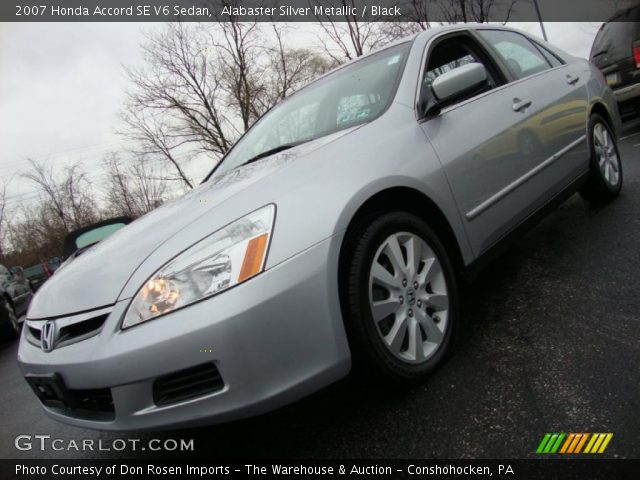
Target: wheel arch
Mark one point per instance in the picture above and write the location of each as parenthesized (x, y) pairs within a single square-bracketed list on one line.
[(601, 109), (412, 201)]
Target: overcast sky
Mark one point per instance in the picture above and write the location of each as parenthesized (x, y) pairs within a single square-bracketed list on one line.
[(62, 85)]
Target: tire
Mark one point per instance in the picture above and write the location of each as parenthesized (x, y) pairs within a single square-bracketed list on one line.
[(605, 178), (9, 326), (417, 350)]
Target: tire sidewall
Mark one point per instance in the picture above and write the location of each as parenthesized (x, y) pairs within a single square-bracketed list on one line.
[(595, 167), (372, 344)]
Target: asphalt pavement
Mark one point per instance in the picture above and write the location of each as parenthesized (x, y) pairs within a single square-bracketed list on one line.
[(551, 344)]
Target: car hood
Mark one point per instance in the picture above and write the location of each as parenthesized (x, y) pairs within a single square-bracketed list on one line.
[(96, 278)]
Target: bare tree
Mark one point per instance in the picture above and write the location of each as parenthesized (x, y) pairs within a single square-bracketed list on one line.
[(69, 197), (238, 54), (134, 188), (349, 38), (417, 18), (35, 233), (175, 101), (36, 230), (3, 202), (203, 86), (480, 11), (289, 69), (3, 205)]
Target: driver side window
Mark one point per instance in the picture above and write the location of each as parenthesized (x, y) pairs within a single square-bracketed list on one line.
[(455, 52)]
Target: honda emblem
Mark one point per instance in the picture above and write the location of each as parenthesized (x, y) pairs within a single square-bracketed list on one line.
[(48, 336)]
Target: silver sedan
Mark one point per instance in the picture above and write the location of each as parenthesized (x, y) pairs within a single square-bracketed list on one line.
[(334, 234)]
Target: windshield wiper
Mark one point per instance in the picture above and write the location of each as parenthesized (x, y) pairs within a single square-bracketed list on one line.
[(272, 151)]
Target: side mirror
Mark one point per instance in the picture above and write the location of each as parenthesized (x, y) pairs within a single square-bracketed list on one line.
[(457, 84), (459, 81)]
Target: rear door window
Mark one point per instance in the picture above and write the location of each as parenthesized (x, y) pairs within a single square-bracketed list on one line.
[(553, 60), (521, 57)]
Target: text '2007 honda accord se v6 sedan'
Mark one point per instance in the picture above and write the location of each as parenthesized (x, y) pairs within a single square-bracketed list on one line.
[(334, 232)]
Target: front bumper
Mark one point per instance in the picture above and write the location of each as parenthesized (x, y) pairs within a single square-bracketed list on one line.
[(273, 339)]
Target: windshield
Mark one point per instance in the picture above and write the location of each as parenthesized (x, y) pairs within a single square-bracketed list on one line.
[(355, 94)]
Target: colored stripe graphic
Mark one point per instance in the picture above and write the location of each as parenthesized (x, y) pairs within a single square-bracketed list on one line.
[(543, 443), (556, 446), (592, 443), (581, 443), (551, 443), (598, 443), (572, 443), (603, 447), (567, 442)]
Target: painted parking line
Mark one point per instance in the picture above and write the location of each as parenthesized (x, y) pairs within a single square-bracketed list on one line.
[(630, 136)]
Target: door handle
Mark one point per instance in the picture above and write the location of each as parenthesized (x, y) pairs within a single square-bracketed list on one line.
[(572, 79), (520, 105)]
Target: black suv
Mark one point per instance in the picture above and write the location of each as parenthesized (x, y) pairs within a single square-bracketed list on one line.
[(616, 52)]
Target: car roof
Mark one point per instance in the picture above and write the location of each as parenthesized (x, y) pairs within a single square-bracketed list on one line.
[(469, 26)]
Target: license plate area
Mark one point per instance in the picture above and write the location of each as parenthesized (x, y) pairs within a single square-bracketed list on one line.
[(613, 79), (51, 390)]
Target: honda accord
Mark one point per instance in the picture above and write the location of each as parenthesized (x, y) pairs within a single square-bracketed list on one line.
[(334, 233)]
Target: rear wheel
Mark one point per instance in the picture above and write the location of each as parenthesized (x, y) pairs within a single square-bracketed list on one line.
[(9, 324), (605, 179), (401, 298)]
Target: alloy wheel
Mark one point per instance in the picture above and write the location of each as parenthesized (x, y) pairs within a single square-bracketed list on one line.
[(408, 297), (608, 159)]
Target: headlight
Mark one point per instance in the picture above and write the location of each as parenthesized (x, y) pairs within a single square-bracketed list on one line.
[(225, 258)]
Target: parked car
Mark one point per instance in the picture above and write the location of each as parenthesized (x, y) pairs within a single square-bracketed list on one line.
[(54, 263), (79, 241), (616, 52), (15, 296), (36, 275), (335, 232)]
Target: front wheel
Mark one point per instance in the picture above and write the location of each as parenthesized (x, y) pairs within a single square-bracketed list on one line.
[(605, 178), (401, 298)]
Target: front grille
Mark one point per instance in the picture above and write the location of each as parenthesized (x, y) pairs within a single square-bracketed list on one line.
[(187, 384), (81, 328), (36, 333), (70, 329)]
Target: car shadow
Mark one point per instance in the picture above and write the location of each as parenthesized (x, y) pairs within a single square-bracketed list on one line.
[(8, 342)]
